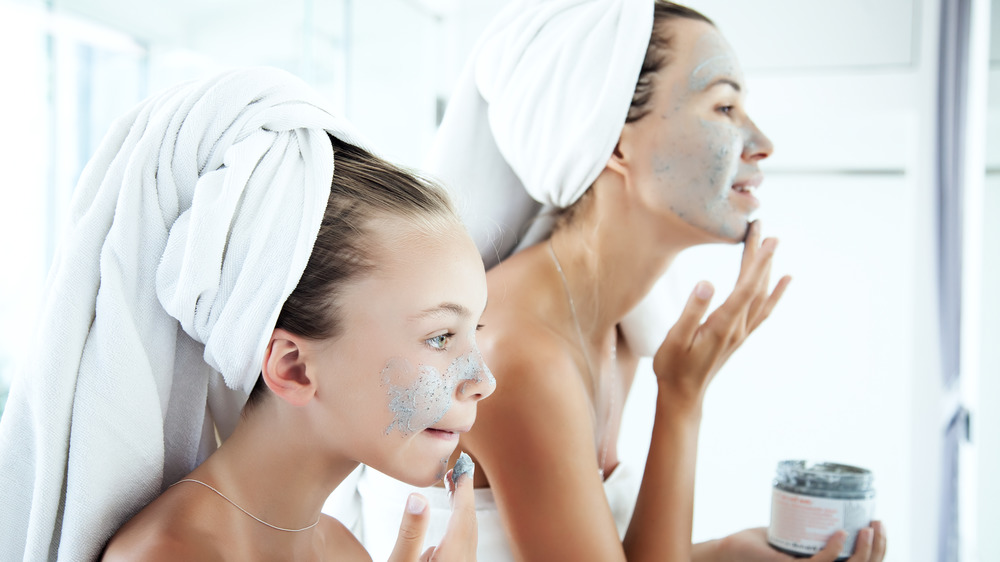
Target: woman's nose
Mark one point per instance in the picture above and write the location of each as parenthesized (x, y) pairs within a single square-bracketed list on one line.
[(756, 145)]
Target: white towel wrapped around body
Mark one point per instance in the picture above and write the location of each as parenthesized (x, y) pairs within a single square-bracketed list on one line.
[(190, 227), (534, 119)]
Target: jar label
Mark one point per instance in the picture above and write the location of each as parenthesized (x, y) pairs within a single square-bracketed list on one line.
[(803, 524)]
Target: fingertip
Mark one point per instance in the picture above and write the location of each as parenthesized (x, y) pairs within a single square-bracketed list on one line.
[(464, 469), (704, 290), (869, 535), (769, 245), (416, 504)]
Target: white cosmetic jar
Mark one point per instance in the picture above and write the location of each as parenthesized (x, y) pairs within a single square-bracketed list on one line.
[(810, 502)]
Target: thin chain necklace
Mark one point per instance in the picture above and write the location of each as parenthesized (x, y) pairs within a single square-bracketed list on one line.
[(258, 519), (590, 368)]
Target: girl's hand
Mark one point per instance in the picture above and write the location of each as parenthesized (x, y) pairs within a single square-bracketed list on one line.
[(459, 541), (693, 351), (751, 546)]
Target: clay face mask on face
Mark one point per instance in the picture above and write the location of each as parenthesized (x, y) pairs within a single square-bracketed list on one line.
[(699, 158), (418, 402)]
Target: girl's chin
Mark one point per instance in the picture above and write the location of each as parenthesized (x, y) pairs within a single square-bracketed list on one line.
[(430, 473), (426, 479)]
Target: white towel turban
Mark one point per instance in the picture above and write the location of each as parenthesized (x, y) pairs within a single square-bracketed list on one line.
[(190, 227), (534, 119)]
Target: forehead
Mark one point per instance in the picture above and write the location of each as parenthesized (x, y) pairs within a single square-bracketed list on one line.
[(417, 266), (699, 55), (399, 245)]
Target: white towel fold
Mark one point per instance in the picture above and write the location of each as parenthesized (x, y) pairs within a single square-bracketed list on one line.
[(534, 119), (190, 227)]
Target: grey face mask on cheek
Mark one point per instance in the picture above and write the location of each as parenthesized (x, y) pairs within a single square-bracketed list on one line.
[(424, 401)]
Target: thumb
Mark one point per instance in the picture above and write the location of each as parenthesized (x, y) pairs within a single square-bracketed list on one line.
[(832, 549), (411, 530)]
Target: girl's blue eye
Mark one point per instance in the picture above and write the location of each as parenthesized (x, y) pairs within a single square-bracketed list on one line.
[(441, 341), (727, 109)]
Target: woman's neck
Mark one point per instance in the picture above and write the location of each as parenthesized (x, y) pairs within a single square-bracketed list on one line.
[(611, 260)]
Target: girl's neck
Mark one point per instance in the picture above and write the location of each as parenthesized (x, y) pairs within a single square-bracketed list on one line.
[(271, 469)]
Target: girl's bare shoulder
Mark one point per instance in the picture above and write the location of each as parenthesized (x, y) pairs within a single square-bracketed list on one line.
[(340, 543), (163, 530)]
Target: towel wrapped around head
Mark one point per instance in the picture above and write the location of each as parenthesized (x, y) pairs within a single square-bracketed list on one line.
[(190, 227), (534, 119)]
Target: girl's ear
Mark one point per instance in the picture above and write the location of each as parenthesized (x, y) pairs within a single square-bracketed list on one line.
[(284, 369)]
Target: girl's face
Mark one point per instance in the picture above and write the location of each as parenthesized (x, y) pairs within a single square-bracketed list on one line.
[(405, 374), (695, 155)]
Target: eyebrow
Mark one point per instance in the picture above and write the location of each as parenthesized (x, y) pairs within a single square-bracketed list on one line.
[(735, 85), (445, 309)]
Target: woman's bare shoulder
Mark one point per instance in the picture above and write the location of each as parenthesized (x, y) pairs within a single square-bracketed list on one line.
[(537, 380)]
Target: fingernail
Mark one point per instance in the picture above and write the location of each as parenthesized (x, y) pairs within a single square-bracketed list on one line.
[(463, 466), (416, 504), (703, 290), (769, 245)]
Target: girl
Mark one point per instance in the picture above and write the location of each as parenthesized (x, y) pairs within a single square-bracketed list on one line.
[(239, 238)]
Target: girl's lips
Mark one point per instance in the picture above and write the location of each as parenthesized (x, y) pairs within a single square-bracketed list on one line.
[(446, 434)]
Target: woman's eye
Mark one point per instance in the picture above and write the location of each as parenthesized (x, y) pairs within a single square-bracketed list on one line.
[(726, 109), (441, 341)]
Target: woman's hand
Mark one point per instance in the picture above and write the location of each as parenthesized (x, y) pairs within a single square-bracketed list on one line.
[(751, 546), (693, 351), (459, 541)]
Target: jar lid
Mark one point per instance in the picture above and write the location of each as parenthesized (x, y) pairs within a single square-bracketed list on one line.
[(825, 476)]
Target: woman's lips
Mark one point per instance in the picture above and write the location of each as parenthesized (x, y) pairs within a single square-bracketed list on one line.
[(746, 190)]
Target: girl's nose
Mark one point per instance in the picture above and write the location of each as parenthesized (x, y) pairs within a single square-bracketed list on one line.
[(479, 383)]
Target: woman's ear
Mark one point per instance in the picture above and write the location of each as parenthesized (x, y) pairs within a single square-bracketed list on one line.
[(284, 369), (618, 162)]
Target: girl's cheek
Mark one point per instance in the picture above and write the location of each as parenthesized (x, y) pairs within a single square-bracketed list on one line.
[(417, 397)]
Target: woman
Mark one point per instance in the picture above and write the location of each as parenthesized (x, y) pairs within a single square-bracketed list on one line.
[(238, 237), (642, 145)]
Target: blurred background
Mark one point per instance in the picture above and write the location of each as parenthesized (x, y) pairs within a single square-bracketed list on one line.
[(886, 175)]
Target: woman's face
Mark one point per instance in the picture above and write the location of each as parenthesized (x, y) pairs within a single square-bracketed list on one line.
[(695, 154), (405, 372)]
